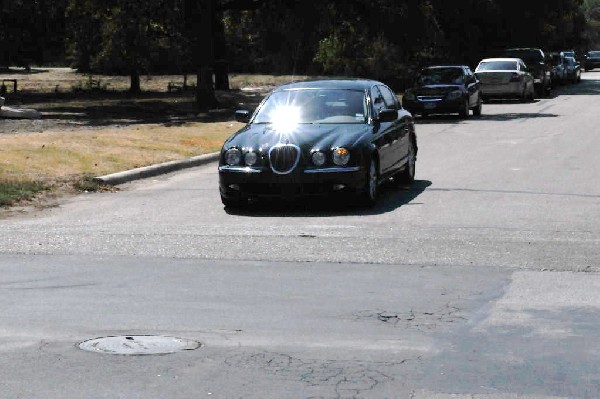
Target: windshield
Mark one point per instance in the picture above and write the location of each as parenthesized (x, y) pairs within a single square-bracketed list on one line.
[(525, 55), (292, 107), (497, 66), (441, 76)]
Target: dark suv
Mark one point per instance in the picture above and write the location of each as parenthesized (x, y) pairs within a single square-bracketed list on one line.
[(591, 60), (535, 60)]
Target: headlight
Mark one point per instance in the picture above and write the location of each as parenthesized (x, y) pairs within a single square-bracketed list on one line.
[(454, 95), (409, 95), (233, 157), (250, 158), (341, 156), (319, 158)]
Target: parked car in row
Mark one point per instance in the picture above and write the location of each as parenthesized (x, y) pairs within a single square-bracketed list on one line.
[(444, 89), (570, 53), (591, 60), (558, 67), (505, 78), (535, 60), (319, 138), (573, 70)]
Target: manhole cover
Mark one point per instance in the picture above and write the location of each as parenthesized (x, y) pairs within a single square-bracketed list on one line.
[(139, 345)]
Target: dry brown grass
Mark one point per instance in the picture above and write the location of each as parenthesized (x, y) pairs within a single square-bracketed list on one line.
[(59, 154)]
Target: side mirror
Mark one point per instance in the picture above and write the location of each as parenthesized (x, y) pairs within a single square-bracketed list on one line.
[(388, 115), (242, 116)]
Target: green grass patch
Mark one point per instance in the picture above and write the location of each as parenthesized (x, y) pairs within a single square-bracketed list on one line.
[(12, 192)]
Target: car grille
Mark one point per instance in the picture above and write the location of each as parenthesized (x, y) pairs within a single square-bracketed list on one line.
[(430, 98), (284, 158)]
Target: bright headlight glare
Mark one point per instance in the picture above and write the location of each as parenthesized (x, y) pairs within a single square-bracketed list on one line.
[(454, 95), (233, 157), (251, 158), (318, 158), (341, 156)]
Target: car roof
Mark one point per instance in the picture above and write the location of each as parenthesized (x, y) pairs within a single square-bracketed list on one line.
[(346, 84), (501, 59), (523, 49)]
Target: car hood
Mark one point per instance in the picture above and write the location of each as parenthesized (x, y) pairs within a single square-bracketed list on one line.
[(261, 137), (432, 90)]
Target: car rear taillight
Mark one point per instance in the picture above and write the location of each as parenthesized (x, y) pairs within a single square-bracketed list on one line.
[(515, 77)]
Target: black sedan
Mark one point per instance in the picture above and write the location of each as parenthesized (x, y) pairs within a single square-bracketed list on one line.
[(591, 60), (444, 89), (319, 138)]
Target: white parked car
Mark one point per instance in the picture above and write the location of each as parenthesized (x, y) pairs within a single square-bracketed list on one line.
[(505, 78)]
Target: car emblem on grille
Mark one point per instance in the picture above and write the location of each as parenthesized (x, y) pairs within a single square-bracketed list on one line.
[(284, 158)]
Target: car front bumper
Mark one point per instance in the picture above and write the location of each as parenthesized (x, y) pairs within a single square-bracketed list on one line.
[(242, 183), (433, 106)]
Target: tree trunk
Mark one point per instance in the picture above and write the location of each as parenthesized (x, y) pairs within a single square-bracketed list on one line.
[(135, 87), (205, 91), (221, 75), (200, 15)]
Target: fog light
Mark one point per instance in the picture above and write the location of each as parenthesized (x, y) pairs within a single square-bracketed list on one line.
[(251, 158), (235, 187), (319, 158), (338, 187)]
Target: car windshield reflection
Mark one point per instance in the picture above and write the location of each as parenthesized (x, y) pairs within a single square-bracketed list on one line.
[(328, 106), (440, 76), (497, 66)]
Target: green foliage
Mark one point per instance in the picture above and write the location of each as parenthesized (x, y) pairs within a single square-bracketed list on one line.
[(12, 192), (384, 39), (91, 84)]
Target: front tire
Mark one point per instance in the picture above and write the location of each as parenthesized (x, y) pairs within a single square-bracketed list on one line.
[(477, 110), (371, 190), (408, 174)]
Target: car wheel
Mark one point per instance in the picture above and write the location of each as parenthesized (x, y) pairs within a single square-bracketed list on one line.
[(532, 94), (371, 190), (464, 111), (525, 95), (478, 108), (408, 174)]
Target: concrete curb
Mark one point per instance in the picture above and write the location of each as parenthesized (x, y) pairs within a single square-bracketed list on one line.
[(155, 170)]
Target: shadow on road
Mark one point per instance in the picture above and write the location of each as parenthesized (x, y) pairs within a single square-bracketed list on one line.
[(391, 198), (509, 116)]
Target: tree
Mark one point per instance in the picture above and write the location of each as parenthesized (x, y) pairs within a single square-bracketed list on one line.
[(125, 36), (32, 31)]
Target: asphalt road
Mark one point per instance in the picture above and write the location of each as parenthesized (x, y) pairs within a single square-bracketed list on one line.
[(479, 281)]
